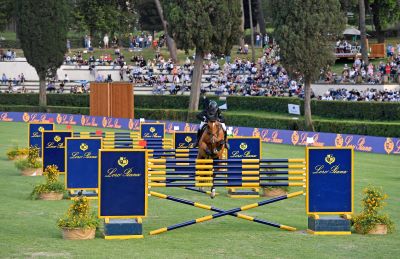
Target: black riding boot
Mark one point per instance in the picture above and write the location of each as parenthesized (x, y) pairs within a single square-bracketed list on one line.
[(198, 138), (225, 140)]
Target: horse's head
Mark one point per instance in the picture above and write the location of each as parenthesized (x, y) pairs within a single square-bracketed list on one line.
[(215, 137)]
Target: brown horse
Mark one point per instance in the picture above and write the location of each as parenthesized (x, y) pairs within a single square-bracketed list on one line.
[(212, 144)]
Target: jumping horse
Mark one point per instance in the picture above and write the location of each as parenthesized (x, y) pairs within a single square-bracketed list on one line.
[(212, 144)]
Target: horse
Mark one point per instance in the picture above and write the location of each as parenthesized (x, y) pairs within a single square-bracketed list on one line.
[(212, 144)]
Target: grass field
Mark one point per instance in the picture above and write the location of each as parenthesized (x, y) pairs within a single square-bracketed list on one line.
[(28, 228)]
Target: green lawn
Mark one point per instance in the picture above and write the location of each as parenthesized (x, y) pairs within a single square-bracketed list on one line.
[(28, 228)]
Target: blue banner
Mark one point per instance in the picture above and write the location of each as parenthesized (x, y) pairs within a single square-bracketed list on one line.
[(184, 140), (53, 152), (329, 180), (123, 183), (35, 134), (370, 144), (244, 148), (152, 130), (82, 163)]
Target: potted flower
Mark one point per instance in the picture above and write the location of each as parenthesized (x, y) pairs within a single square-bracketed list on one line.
[(369, 221), (52, 189), (32, 165), (79, 222), (17, 153)]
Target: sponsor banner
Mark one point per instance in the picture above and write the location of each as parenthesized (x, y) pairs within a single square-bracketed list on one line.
[(329, 180), (152, 130), (244, 148), (381, 145), (184, 140), (53, 148), (123, 183), (81, 163), (35, 134)]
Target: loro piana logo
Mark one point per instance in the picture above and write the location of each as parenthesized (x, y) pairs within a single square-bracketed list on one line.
[(84, 147), (40, 129), (188, 139), (243, 146), (123, 161), (152, 129), (330, 159), (57, 138), (389, 145)]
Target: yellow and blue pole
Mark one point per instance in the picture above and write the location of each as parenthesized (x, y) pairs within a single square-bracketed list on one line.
[(227, 212), (212, 208)]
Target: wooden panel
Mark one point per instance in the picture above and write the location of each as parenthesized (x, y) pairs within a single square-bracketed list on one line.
[(378, 50), (122, 100), (100, 104)]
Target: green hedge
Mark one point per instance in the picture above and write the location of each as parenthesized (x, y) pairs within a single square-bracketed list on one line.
[(76, 100), (333, 126), (48, 109), (357, 110), (327, 109), (269, 104)]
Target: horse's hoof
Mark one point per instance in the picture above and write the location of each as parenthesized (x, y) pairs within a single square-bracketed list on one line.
[(212, 195)]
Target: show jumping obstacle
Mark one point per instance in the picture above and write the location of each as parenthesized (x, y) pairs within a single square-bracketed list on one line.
[(130, 163)]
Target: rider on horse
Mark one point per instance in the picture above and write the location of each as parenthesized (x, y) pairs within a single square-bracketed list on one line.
[(211, 112)]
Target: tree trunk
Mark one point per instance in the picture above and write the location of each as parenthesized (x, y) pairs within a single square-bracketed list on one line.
[(170, 42), (171, 48), (261, 20), (377, 23), (42, 91), (196, 81), (253, 57), (241, 40), (307, 105), (364, 50)]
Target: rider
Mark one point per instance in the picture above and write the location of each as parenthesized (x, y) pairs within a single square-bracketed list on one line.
[(211, 112)]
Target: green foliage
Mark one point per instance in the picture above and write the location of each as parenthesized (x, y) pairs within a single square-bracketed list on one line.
[(16, 151), (372, 202), (206, 25), (79, 215), (76, 100), (6, 12), (104, 16), (384, 13), (52, 184), (149, 18), (32, 161), (304, 30), (42, 30)]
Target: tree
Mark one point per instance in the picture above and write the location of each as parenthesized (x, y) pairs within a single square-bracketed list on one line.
[(364, 51), (260, 17), (170, 42), (304, 30), (206, 25), (105, 16), (383, 12), (6, 12), (252, 32), (42, 29)]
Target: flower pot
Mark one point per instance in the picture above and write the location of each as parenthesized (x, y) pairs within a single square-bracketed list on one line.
[(51, 196), (268, 192), (379, 229), (32, 172), (78, 233), (20, 157)]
